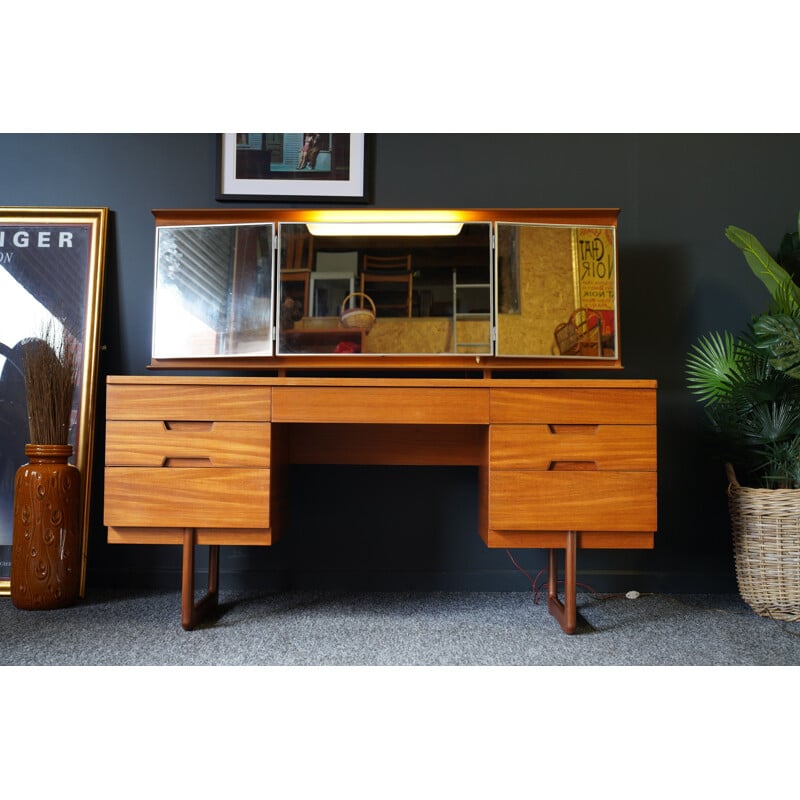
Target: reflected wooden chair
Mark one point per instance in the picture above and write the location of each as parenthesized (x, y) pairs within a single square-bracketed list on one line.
[(581, 335), (385, 274), (291, 279), (298, 261), (299, 252)]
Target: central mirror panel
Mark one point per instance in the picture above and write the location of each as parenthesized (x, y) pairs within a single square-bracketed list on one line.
[(402, 289), (213, 291), (556, 291)]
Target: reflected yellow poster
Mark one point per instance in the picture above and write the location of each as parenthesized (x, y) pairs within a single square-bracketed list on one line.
[(595, 280)]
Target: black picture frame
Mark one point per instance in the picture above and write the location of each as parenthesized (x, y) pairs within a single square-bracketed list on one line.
[(52, 264), (294, 167)]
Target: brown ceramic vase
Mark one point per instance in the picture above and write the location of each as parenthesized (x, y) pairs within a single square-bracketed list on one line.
[(46, 548)]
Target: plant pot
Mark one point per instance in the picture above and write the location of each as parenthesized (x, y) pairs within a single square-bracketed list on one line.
[(46, 548), (765, 524)]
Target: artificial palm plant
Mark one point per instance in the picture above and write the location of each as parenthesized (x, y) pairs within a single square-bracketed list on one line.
[(749, 382), (750, 386)]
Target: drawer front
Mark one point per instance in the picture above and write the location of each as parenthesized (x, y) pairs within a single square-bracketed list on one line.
[(186, 497), (381, 405), (193, 402), (588, 406), (587, 501), (575, 447), (154, 443)]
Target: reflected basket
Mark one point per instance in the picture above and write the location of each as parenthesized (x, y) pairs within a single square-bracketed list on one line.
[(357, 317), (765, 524)]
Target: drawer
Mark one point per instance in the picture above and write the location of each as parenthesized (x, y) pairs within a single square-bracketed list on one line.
[(186, 497), (152, 443), (136, 401), (588, 501), (576, 447), (589, 406), (418, 405)]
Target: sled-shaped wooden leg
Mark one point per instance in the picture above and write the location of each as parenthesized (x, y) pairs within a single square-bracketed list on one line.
[(565, 612), (192, 613)]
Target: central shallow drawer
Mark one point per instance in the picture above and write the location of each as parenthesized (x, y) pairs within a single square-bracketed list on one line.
[(152, 443), (187, 497), (384, 404)]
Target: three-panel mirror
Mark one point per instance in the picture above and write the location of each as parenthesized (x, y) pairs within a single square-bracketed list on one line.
[(484, 289)]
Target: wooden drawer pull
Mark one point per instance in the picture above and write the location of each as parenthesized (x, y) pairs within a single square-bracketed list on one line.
[(572, 465), (188, 425), (192, 461), (581, 429)]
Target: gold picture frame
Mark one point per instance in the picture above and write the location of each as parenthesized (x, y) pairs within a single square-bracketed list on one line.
[(52, 266)]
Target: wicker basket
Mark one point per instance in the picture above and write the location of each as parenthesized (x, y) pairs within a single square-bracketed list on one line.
[(357, 317), (765, 524)]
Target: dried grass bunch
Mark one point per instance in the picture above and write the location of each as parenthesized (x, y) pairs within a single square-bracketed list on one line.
[(50, 364)]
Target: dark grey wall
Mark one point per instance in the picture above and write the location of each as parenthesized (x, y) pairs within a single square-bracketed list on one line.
[(679, 277)]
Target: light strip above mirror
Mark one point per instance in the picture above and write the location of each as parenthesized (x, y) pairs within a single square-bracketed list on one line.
[(384, 228)]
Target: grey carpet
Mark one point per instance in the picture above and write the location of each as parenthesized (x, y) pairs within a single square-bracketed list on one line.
[(397, 629)]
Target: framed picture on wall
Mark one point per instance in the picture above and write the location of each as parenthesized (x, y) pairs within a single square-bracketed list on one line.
[(51, 278), (294, 166)]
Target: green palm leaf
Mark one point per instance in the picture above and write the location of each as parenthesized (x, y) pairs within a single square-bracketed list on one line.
[(713, 367), (773, 423), (763, 265), (778, 335), (785, 299)]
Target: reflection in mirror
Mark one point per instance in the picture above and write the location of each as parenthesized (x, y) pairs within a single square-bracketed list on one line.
[(556, 291), (213, 291), (407, 293)]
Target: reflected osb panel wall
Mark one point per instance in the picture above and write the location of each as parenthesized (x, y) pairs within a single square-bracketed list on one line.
[(546, 291), (404, 335), (401, 335)]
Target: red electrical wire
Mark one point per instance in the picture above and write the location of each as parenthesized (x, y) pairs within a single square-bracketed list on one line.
[(537, 590)]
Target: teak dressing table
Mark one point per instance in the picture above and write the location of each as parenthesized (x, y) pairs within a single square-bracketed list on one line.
[(563, 464)]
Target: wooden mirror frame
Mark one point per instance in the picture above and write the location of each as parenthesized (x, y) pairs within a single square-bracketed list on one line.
[(283, 364)]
